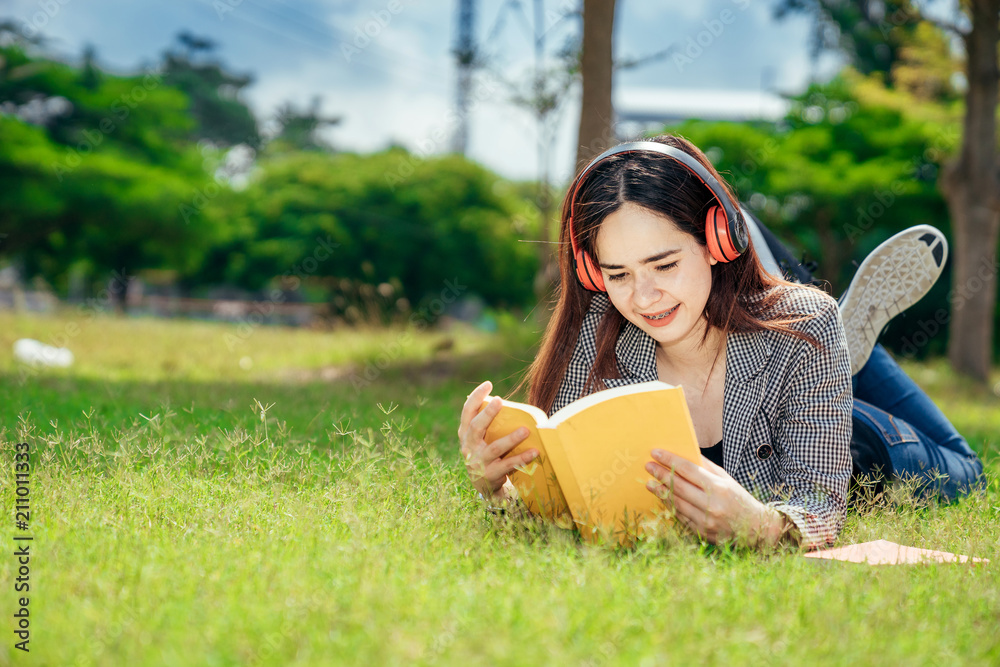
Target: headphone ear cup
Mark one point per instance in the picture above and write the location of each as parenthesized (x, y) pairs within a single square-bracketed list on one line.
[(588, 272), (724, 241)]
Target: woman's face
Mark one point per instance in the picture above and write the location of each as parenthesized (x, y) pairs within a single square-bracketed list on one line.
[(657, 276)]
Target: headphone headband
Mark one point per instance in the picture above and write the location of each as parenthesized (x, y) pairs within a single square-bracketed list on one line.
[(725, 245)]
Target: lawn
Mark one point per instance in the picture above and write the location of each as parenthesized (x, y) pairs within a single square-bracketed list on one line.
[(208, 494)]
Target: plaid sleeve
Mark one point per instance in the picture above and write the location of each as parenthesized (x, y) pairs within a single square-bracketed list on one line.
[(814, 430)]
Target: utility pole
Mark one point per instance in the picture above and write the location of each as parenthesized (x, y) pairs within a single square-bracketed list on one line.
[(465, 59)]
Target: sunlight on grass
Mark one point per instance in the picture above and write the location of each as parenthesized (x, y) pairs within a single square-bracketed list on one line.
[(205, 515), (121, 348)]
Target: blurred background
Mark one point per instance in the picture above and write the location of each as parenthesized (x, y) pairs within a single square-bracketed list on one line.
[(340, 163)]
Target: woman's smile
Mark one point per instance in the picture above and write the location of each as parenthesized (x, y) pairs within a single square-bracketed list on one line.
[(662, 318)]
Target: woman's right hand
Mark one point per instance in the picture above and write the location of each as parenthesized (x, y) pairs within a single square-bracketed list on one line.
[(486, 469)]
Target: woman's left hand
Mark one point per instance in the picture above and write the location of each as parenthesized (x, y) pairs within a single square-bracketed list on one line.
[(710, 502)]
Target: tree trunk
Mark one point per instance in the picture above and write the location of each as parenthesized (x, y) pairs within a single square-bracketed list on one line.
[(833, 255), (595, 133), (971, 185)]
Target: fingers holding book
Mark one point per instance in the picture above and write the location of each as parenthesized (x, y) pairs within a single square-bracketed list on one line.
[(487, 470), (673, 482), (708, 501), (471, 407)]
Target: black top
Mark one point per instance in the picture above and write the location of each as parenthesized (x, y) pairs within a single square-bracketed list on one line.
[(713, 453)]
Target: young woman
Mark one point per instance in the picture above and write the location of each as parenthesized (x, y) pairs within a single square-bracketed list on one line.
[(659, 281)]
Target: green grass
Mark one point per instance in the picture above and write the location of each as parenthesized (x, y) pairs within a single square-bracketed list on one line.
[(174, 525)]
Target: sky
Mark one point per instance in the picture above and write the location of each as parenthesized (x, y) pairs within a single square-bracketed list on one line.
[(386, 68)]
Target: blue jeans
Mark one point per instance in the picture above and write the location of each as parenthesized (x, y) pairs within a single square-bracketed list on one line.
[(920, 440), (896, 425)]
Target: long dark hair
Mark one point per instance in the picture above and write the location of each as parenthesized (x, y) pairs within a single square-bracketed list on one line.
[(741, 300)]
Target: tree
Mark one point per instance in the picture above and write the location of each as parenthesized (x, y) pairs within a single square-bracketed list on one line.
[(596, 67), (299, 130), (220, 115), (315, 219), (95, 171), (971, 183), (971, 179)]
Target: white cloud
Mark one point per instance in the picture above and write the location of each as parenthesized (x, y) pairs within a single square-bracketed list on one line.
[(401, 86)]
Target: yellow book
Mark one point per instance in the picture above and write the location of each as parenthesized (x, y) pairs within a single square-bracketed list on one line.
[(590, 473)]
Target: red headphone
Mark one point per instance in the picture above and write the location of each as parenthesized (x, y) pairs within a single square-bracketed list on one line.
[(725, 229)]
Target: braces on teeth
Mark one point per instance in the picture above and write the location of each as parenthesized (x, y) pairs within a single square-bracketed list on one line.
[(662, 315)]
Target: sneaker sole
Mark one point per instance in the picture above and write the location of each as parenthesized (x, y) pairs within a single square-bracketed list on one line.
[(892, 278)]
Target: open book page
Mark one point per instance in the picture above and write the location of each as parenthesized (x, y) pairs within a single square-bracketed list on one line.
[(582, 404), (536, 482), (607, 443), (884, 552)]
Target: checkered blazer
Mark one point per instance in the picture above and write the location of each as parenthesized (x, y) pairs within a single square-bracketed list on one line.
[(786, 407)]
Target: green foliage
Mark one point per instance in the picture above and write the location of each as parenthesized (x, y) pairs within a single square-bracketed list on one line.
[(112, 181), (137, 114), (390, 217), (837, 178), (220, 116), (102, 177)]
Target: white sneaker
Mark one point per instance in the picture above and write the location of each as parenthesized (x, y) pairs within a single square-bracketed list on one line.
[(892, 278)]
